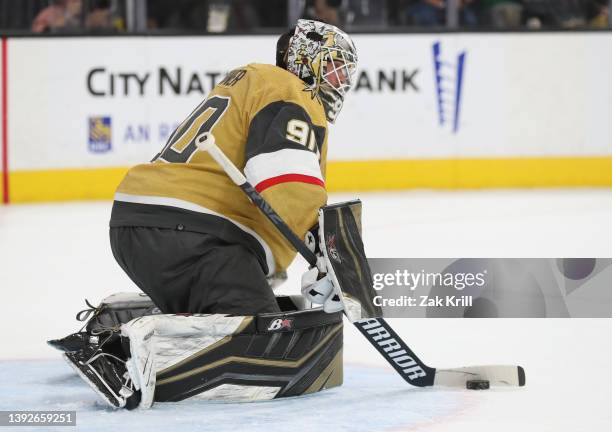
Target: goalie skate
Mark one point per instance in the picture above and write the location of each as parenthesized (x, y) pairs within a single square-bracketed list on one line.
[(106, 375)]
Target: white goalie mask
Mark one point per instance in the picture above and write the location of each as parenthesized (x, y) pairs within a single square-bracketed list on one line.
[(325, 58)]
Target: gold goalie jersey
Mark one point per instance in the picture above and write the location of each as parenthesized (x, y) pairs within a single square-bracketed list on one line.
[(271, 129)]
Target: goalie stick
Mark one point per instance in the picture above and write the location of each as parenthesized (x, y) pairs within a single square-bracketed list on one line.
[(376, 330)]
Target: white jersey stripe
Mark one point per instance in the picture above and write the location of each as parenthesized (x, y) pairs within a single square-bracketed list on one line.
[(286, 161), (186, 205)]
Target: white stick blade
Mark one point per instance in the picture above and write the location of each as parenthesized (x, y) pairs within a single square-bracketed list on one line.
[(497, 375)]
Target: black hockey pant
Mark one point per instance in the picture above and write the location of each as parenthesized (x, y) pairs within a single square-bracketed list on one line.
[(188, 272)]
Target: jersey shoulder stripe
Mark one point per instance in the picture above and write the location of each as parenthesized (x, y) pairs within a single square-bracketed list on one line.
[(304, 165), (288, 178)]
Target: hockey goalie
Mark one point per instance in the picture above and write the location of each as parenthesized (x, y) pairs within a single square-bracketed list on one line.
[(208, 324), (133, 355)]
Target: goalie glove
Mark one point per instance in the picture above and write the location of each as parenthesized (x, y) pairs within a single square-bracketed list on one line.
[(319, 289), (317, 286)]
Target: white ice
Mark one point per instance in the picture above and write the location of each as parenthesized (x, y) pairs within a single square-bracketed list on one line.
[(53, 256)]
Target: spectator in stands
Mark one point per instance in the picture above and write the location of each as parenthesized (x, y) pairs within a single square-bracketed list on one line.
[(68, 15), (428, 13), (60, 14), (555, 13), (177, 14), (327, 11), (244, 16), (324, 10), (271, 13), (101, 16), (598, 13), (502, 13), (369, 13)]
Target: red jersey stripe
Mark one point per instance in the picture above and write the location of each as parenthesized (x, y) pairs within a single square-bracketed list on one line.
[(285, 178)]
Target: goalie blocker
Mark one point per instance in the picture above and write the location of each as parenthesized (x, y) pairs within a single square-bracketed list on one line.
[(133, 356), (345, 259), (347, 267)]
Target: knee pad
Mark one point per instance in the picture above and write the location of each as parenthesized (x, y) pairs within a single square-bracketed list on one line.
[(103, 322), (116, 309)]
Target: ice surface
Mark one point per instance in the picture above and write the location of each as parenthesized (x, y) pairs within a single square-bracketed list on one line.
[(53, 256), (361, 404)]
